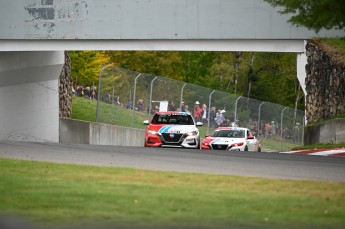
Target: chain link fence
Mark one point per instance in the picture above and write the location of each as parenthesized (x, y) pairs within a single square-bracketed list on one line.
[(127, 98)]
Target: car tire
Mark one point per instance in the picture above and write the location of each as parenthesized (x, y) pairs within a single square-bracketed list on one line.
[(259, 149), (246, 148)]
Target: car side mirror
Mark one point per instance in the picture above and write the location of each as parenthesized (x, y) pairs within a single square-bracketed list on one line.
[(146, 122), (250, 137), (199, 123)]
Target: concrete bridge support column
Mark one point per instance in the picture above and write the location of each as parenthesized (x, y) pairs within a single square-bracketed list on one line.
[(301, 73), (29, 95)]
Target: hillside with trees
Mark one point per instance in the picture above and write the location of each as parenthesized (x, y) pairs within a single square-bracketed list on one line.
[(263, 76)]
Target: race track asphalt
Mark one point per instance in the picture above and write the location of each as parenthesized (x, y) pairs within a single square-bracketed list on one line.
[(253, 164)]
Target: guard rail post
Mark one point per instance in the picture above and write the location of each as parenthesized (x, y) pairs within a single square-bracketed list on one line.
[(99, 91), (281, 127), (209, 110), (133, 105), (150, 106)]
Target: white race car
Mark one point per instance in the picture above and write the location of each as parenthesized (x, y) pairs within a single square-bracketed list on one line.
[(172, 129), (231, 138)]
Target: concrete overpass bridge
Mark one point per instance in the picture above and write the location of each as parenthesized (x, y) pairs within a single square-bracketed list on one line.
[(35, 34)]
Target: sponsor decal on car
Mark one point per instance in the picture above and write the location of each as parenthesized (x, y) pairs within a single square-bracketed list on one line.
[(175, 129), (220, 141)]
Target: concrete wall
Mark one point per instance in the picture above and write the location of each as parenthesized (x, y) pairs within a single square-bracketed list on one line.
[(29, 98), (329, 132), (81, 132), (153, 19)]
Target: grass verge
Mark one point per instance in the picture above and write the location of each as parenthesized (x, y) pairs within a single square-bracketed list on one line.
[(54, 194), (321, 146), (276, 145), (338, 43), (85, 109)]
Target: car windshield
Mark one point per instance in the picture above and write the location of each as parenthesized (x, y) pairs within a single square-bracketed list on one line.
[(174, 119), (229, 133)]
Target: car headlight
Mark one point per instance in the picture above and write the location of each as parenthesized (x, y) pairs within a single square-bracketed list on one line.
[(237, 144), (193, 133), (153, 132)]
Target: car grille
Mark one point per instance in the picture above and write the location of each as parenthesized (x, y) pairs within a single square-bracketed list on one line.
[(172, 138), (219, 147)]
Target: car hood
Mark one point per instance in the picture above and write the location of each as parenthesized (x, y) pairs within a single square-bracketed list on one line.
[(182, 129), (224, 141)]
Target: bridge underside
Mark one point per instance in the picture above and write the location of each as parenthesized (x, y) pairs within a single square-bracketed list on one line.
[(295, 46), (30, 70)]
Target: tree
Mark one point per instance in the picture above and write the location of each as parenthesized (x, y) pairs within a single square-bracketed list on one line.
[(151, 62), (86, 66), (195, 66), (271, 78), (251, 75), (236, 66), (314, 14)]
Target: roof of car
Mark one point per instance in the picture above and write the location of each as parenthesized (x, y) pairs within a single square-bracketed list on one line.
[(172, 112), (230, 128)]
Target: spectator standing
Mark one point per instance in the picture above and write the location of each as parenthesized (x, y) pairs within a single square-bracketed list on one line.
[(296, 133), (80, 90), (129, 104), (87, 92), (220, 118), (267, 130), (117, 101), (273, 129), (171, 106), (106, 98), (141, 106), (204, 114), (213, 122), (93, 92), (286, 134), (186, 109), (197, 112), (156, 109)]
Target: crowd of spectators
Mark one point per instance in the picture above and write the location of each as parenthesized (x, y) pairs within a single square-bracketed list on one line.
[(86, 92), (215, 118), (272, 130), (201, 114)]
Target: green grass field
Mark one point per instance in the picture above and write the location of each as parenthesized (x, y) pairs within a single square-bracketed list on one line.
[(60, 195)]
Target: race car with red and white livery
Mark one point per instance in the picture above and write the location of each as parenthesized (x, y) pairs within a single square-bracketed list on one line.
[(172, 129), (231, 139)]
